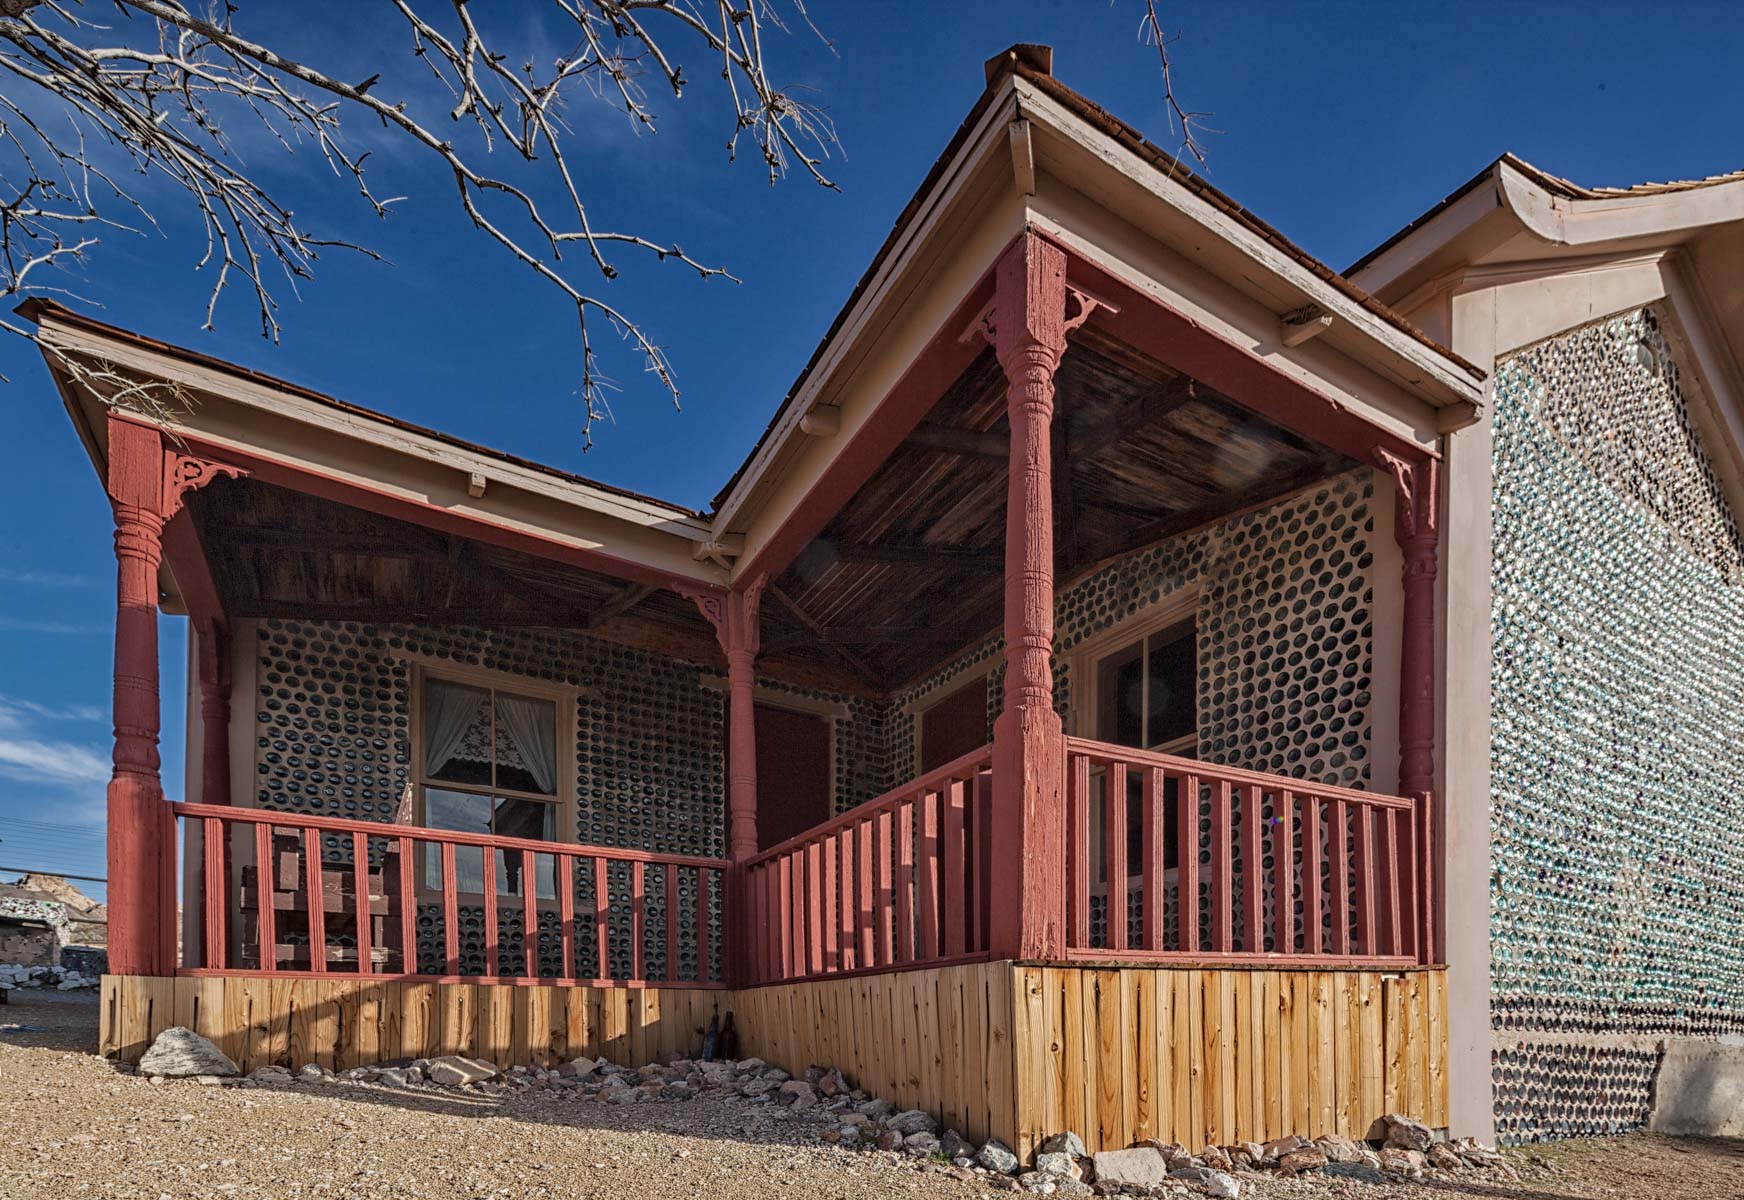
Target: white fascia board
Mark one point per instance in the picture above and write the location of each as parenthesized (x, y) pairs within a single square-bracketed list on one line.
[(73, 340), (1445, 382)]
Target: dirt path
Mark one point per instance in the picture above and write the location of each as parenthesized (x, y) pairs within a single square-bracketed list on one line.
[(74, 1129)]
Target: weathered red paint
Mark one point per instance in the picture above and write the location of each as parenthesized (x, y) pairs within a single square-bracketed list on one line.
[(315, 893), (1338, 858), (360, 899), (214, 844), (1154, 825), (1284, 874), (1114, 822), (530, 912), (1187, 858), (266, 931), (955, 857), (1222, 869), (1253, 938), (1028, 826), (141, 834)]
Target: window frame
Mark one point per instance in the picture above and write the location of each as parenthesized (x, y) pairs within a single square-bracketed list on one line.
[(936, 695), (563, 698)]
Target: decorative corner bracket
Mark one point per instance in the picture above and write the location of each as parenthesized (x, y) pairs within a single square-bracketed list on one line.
[(1417, 519), (734, 614), (184, 473), (1081, 304)]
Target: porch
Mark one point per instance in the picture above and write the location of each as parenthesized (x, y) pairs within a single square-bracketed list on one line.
[(1040, 727)]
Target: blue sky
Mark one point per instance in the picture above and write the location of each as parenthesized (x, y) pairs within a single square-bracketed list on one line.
[(1339, 123)]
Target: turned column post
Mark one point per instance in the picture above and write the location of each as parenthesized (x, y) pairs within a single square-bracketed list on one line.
[(141, 887), (1417, 529), (1027, 328)]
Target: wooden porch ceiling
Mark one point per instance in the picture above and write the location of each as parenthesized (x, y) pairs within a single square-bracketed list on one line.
[(911, 568), (277, 553)]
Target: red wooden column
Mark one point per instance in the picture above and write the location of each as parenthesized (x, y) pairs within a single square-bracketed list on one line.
[(734, 614), (141, 924), (1417, 528), (1028, 828)]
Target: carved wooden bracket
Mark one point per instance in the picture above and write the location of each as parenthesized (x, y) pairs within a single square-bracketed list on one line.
[(1082, 304), (184, 473), (1418, 510), (734, 614)]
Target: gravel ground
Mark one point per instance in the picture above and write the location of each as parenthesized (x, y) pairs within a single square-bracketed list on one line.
[(73, 1128)]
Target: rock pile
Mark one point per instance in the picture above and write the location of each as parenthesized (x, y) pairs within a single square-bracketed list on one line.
[(16, 975), (846, 1117)]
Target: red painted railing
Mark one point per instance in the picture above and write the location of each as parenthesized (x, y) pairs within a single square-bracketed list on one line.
[(899, 882), (287, 894), (1220, 864)]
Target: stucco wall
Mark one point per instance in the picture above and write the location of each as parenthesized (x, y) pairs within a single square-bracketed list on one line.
[(1617, 890)]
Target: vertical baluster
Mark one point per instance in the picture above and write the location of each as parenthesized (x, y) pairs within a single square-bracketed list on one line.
[(863, 868), (530, 913), (772, 918), (905, 879), (362, 903), (1365, 879), (1222, 868), (1114, 839), (816, 909), (217, 891), (828, 912), (956, 859), (566, 913), (983, 834), (846, 874), (408, 903), (784, 917), (886, 899), (1428, 948), (1409, 888), (927, 890), (1284, 875), (266, 878), (638, 919), (1187, 862), (450, 913), (602, 913), (317, 897), (493, 963), (1313, 940), (1078, 853), (796, 912), (1387, 880), (1253, 888), (1153, 823), (1338, 857), (669, 873), (704, 974)]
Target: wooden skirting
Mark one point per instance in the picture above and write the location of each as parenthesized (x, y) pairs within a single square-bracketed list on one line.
[(938, 1039), (343, 1023), (1002, 1050), (1212, 1057)]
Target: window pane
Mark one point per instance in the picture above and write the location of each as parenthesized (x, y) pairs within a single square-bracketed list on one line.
[(457, 734), (526, 744), (464, 813), (1120, 682), (1173, 686), (532, 819)]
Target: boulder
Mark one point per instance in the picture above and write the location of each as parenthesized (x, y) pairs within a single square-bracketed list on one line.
[(181, 1053), (455, 1070), (1444, 1157), (954, 1145), (1058, 1164), (1215, 1157), (1361, 1172), (1039, 1183), (1403, 1133), (1278, 1147), (797, 1095), (1399, 1161), (911, 1121), (876, 1109), (1064, 1143), (831, 1084), (1338, 1148), (1141, 1166), (1299, 1162), (997, 1156), (1211, 1182), (890, 1139), (921, 1144)]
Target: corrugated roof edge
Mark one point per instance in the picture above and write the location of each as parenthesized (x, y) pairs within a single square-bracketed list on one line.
[(36, 307), (1010, 63)]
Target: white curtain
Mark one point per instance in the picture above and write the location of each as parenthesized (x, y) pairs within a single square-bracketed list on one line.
[(449, 712), (532, 726)]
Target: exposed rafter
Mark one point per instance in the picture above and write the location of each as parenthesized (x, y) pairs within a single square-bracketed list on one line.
[(847, 657), (631, 595), (952, 440)]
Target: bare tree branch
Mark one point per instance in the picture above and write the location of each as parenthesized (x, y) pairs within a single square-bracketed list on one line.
[(80, 101), (1188, 122)]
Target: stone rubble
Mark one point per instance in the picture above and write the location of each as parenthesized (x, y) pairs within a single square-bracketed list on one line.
[(847, 1117), (61, 979)]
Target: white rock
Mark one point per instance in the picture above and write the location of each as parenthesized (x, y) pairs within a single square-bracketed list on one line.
[(453, 1070), (1141, 1166), (1058, 1164), (997, 1156), (180, 1052)]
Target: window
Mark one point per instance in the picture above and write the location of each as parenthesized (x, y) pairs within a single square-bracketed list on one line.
[(955, 725), (1147, 698), (488, 764)]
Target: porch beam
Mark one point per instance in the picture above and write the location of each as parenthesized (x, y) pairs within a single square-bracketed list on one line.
[(1093, 437), (321, 541), (930, 435), (895, 553), (807, 622), (1028, 826), (626, 599)]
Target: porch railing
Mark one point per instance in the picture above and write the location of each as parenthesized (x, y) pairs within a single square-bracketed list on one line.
[(899, 882), (287, 894), (1176, 859)]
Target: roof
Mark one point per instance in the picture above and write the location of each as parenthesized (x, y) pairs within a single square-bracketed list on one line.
[(1025, 62), (35, 308), (1556, 185), (1018, 61)]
